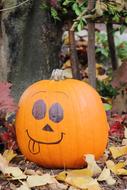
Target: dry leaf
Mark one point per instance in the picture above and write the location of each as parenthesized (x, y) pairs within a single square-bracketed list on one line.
[(124, 142), (81, 172), (14, 172), (118, 151), (3, 163), (62, 176), (73, 188), (106, 176), (30, 172), (36, 180), (67, 64), (9, 155), (83, 182), (125, 133), (81, 178), (118, 168), (92, 165), (67, 73), (56, 185)]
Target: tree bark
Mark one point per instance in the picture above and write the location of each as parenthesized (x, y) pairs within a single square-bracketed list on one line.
[(32, 43), (74, 56), (91, 48), (111, 44)]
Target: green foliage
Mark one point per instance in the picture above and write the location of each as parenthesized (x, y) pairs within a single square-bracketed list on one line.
[(76, 10), (105, 89), (122, 50), (102, 49)]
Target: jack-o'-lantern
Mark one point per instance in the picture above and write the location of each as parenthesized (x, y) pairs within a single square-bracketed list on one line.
[(58, 122)]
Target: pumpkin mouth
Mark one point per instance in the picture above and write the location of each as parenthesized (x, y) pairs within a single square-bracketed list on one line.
[(34, 145)]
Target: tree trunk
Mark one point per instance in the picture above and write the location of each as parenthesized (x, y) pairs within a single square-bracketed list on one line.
[(74, 56), (91, 48), (112, 48), (31, 41)]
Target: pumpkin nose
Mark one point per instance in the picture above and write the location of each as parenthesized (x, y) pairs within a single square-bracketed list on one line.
[(47, 128)]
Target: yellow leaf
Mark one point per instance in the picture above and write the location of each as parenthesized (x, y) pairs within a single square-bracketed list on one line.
[(81, 172), (67, 64), (65, 38), (118, 168), (36, 180), (83, 182), (118, 151), (62, 176), (106, 176), (92, 166), (9, 155), (14, 172), (121, 171)]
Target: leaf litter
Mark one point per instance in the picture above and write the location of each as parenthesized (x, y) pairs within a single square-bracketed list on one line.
[(109, 172)]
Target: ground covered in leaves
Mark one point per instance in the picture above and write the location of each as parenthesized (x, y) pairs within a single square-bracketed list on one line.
[(110, 172)]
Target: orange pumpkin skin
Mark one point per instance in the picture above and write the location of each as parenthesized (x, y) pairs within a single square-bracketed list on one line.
[(61, 141)]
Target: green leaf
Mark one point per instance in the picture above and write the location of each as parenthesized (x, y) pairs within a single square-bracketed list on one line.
[(54, 14), (107, 107), (80, 25), (122, 29)]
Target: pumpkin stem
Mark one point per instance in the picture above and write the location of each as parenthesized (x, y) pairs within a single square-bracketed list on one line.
[(57, 74)]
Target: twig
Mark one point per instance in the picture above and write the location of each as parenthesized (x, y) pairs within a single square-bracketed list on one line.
[(13, 7), (91, 48)]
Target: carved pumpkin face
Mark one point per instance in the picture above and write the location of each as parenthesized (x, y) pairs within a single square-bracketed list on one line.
[(60, 121)]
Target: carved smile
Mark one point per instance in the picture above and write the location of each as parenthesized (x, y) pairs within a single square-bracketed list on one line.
[(34, 145)]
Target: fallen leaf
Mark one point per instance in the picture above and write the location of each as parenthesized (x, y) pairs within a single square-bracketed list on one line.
[(125, 133), (81, 172), (3, 163), (67, 73), (62, 176), (106, 176), (118, 151), (36, 180), (14, 172), (124, 142), (30, 172), (9, 155), (117, 129), (92, 165), (72, 188), (67, 64), (56, 185), (118, 168), (83, 182)]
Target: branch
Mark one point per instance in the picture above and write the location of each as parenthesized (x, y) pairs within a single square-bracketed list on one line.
[(13, 7)]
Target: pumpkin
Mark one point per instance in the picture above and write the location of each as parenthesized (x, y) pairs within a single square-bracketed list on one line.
[(58, 122)]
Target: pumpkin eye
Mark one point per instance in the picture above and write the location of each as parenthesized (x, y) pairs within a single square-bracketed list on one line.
[(39, 109), (56, 113)]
